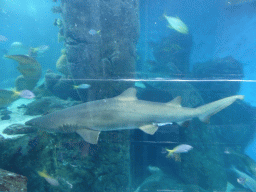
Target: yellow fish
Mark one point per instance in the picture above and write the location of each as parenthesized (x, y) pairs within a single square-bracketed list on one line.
[(7, 97), (183, 148), (48, 178), (176, 24)]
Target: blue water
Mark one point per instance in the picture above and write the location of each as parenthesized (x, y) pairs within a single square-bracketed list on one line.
[(217, 32), (29, 22)]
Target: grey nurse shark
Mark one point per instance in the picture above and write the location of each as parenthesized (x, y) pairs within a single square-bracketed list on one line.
[(124, 112)]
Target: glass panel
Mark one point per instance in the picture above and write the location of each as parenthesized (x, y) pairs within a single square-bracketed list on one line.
[(127, 96)]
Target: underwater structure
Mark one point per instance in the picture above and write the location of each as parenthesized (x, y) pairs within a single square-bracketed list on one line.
[(100, 38), (100, 41), (106, 119), (30, 69)]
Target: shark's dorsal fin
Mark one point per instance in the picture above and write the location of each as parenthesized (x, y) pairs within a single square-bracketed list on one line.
[(128, 95), (175, 102), (89, 135)]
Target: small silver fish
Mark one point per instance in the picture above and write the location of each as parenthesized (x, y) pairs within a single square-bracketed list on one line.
[(94, 32), (48, 178), (140, 85), (27, 94), (183, 148), (81, 86)]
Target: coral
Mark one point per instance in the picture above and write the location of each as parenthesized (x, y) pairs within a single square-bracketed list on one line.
[(61, 37), (58, 23), (22, 83), (60, 86), (56, 9), (29, 68), (62, 156), (12, 181), (223, 68), (62, 63), (172, 53)]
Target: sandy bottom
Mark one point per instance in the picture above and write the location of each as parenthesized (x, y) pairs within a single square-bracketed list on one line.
[(16, 116)]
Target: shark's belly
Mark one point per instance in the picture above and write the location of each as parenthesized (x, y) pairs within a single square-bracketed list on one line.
[(110, 120)]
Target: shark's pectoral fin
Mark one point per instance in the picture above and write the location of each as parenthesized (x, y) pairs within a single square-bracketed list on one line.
[(149, 129), (89, 135)]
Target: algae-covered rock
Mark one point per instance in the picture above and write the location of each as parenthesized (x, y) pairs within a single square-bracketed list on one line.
[(189, 94), (6, 98), (204, 165), (172, 53), (22, 83), (218, 71), (62, 64), (235, 126), (18, 129), (47, 105), (75, 164), (159, 181), (29, 68), (12, 182), (118, 23), (60, 86), (51, 79)]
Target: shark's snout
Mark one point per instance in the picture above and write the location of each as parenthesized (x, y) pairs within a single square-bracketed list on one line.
[(31, 122)]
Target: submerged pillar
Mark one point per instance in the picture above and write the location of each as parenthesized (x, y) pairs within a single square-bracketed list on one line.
[(100, 39)]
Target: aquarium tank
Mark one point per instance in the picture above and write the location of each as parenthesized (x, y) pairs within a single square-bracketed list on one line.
[(127, 96)]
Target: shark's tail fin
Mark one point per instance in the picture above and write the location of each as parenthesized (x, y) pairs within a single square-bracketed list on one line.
[(206, 111)]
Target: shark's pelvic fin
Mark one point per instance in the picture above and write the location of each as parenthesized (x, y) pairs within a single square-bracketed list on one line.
[(89, 135), (175, 102), (128, 95), (184, 123), (149, 129)]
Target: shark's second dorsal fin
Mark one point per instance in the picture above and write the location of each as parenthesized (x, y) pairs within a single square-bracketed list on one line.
[(128, 95), (175, 102)]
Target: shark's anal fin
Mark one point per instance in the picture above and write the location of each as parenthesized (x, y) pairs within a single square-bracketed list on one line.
[(89, 135), (149, 129)]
